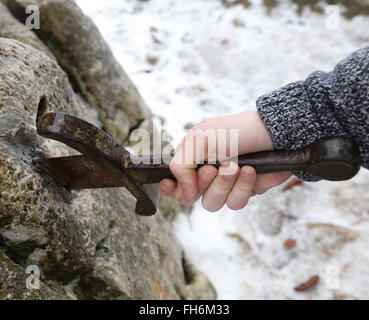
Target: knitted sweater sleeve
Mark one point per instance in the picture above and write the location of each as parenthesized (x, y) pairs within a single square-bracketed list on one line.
[(326, 104)]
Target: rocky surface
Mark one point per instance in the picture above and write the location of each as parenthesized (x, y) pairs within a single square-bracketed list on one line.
[(86, 244), (13, 279), (352, 8), (89, 63), (13, 29)]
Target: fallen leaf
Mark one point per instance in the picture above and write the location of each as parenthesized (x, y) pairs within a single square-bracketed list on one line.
[(225, 42), (290, 243), (345, 266), (294, 182), (152, 60), (240, 239), (308, 284)]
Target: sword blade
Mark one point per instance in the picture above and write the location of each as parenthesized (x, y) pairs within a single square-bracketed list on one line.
[(80, 172)]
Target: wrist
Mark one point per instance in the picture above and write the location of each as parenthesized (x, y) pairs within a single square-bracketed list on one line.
[(253, 134), (266, 142)]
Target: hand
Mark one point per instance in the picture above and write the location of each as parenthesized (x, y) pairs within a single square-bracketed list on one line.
[(230, 184)]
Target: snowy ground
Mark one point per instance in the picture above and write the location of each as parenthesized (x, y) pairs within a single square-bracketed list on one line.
[(195, 59)]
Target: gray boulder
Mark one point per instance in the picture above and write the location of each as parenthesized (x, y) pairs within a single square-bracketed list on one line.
[(13, 279), (88, 243), (352, 7), (13, 29), (87, 59)]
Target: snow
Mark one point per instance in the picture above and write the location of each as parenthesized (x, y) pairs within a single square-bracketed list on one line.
[(213, 61)]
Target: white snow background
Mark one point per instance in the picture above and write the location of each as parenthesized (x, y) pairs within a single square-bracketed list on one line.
[(209, 61)]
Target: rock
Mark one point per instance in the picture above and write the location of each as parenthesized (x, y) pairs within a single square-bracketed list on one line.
[(89, 62), (270, 4), (352, 8), (21, 241), (13, 279), (92, 68), (198, 286), (90, 241), (231, 3), (11, 28), (169, 208), (364, 3)]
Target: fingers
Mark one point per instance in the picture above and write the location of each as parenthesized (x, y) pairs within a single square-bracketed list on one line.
[(188, 153), (182, 167), (267, 181), (216, 195), (187, 186), (206, 175), (242, 189), (229, 185), (167, 187)]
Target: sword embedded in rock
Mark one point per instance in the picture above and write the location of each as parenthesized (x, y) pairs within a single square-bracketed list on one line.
[(104, 163)]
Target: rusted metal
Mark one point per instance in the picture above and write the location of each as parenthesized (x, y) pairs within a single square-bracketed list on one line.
[(106, 164), (102, 149), (81, 172)]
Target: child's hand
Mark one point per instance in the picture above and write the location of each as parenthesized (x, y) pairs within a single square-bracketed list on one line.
[(229, 185)]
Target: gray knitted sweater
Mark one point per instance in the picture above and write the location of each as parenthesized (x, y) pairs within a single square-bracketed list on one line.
[(326, 104)]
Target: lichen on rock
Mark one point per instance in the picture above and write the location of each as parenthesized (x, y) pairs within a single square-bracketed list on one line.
[(13, 280), (13, 29), (84, 55)]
